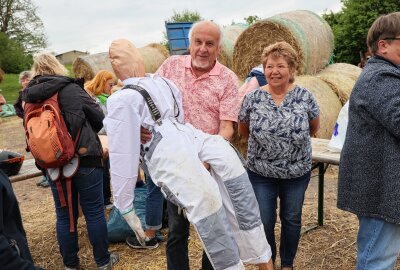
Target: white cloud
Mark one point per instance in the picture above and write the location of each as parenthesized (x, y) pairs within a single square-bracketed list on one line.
[(91, 25)]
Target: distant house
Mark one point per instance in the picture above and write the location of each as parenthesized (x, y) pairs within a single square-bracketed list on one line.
[(68, 58)]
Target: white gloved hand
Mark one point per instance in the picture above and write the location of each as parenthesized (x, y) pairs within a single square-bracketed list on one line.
[(135, 224)]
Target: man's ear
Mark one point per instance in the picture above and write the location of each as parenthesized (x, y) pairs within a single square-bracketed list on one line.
[(382, 46)]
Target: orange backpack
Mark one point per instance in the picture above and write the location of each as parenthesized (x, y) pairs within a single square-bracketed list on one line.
[(51, 144), (47, 135)]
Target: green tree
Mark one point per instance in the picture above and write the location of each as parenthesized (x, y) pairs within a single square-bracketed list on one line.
[(13, 58), (350, 26), (20, 22), (251, 19), (185, 16)]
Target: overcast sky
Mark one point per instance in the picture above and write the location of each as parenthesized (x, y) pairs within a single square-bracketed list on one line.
[(91, 25)]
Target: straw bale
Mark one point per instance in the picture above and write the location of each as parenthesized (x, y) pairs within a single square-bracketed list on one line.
[(328, 102), (308, 33), (341, 78), (229, 36), (153, 55), (87, 66), (350, 70)]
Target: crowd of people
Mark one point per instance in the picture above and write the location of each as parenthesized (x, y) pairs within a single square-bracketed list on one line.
[(176, 126)]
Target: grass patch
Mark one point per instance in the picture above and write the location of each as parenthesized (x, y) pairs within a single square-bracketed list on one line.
[(10, 87)]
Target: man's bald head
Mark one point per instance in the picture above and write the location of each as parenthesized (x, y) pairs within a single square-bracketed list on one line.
[(126, 60), (208, 26)]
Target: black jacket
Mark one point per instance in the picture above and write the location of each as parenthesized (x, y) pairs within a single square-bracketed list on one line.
[(78, 109), (12, 234)]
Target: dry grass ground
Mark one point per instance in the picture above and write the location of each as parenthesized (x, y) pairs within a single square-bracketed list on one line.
[(332, 246)]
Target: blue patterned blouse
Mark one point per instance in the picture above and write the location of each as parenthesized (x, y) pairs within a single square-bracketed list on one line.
[(279, 141)]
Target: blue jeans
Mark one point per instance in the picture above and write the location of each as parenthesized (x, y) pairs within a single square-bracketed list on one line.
[(106, 182), (154, 205), (378, 244), (87, 183), (291, 196)]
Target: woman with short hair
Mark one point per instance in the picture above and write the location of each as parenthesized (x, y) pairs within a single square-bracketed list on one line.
[(279, 119)]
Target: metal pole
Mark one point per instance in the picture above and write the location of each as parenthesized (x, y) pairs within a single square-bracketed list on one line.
[(321, 173)]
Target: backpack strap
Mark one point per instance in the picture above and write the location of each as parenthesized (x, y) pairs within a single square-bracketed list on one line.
[(155, 113)]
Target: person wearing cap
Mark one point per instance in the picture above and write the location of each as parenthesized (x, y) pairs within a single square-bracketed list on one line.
[(14, 250), (223, 208)]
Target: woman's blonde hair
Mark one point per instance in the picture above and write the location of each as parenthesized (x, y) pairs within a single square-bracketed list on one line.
[(282, 49), (97, 85), (47, 64)]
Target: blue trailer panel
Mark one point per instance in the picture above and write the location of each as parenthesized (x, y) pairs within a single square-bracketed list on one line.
[(178, 36)]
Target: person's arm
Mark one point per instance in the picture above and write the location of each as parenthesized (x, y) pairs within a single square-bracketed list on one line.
[(226, 129), (123, 131), (313, 114), (228, 107), (93, 112), (381, 97), (10, 259), (243, 129), (314, 126)]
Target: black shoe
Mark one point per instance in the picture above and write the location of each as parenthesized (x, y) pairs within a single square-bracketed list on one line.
[(134, 243)]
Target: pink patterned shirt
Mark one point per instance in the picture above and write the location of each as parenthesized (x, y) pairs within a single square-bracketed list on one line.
[(207, 99)]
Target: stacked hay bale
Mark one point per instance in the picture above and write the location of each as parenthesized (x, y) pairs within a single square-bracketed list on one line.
[(341, 78), (87, 66), (229, 36), (305, 31), (328, 102)]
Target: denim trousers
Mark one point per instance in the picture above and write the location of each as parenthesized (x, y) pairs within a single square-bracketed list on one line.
[(291, 197), (378, 244), (106, 182), (154, 205), (177, 243), (87, 185)]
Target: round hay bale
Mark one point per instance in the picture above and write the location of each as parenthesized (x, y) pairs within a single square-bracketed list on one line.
[(153, 55), (350, 70), (341, 78), (328, 102), (87, 66), (305, 31), (229, 36)]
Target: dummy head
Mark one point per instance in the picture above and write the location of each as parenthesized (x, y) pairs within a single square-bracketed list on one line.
[(126, 60)]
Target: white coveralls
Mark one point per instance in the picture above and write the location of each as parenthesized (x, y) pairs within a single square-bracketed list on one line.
[(223, 209)]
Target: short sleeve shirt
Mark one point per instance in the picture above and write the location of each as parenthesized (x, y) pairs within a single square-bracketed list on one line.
[(207, 99), (279, 142)]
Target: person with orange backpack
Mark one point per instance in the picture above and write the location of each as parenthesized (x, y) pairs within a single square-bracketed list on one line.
[(61, 123)]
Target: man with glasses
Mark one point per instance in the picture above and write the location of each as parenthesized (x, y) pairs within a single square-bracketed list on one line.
[(369, 176)]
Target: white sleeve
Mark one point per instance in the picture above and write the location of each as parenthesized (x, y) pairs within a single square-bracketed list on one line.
[(123, 131)]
